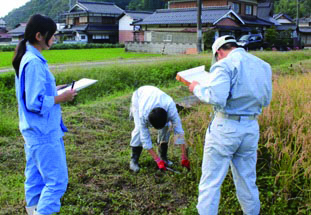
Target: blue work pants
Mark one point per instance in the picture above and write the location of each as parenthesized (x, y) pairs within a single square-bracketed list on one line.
[(230, 143), (46, 174)]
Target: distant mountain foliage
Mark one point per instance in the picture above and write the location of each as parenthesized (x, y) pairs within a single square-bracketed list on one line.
[(55, 8), (289, 7)]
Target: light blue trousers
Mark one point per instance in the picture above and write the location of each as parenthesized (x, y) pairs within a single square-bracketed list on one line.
[(230, 143), (46, 174)]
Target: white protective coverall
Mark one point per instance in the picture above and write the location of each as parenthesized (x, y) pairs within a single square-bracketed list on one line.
[(144, 100), (239, 86)]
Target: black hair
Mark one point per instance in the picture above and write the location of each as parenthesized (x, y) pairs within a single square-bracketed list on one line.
[(37, 23), (229, 46), (158, 118)]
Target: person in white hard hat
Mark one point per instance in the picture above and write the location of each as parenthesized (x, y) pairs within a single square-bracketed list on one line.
[(240, 85)]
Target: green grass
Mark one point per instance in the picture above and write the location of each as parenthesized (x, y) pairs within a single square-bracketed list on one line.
[(98, 151), (79, 55)]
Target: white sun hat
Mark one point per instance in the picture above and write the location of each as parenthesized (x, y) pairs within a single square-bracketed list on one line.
[(219, 43)]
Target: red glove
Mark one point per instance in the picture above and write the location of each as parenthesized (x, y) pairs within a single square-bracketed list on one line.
[(185, 163), (161, 165)]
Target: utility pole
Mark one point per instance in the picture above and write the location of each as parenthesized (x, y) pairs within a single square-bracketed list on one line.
[(297, 23), (70, 3), (199, 26)]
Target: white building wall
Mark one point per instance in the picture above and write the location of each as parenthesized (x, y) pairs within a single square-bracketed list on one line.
[(284, 21), (125, 23)]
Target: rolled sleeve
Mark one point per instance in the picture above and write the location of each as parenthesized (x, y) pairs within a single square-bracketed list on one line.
[(145, 136), (35, 88), (176, 121), (216, 91)]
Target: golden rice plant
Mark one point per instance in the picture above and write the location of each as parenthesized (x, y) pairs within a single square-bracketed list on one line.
[(285, 127)]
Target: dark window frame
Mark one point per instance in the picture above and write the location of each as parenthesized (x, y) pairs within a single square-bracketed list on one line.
[(239, 4), (252, 9)]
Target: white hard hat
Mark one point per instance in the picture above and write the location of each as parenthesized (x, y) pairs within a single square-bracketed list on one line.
[(219, 43)]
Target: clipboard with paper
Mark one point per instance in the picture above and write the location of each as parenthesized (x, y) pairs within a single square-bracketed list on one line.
[(195, 74), (79, 85)]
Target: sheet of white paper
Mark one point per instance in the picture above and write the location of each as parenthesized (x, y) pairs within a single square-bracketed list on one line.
[(195, 74), (79, 85)]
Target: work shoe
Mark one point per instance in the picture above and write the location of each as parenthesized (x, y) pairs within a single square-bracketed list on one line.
[(136, 151), (162, 150)]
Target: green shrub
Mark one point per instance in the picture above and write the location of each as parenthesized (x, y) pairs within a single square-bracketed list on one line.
[(208, 38), (271, 36)]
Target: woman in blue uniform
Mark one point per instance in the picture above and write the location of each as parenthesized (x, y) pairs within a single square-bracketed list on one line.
[(40, 119)]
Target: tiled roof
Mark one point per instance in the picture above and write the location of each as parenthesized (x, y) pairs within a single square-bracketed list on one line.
[(304, 20), (75, 28), (305, 29), (184, 16), (20, 30), (90, 27), (138, 15), (100, 7), (264, 12), (282, 14), (256, 21), (286, 27)]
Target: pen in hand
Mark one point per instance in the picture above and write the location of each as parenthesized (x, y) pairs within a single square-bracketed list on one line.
[(73, 84)]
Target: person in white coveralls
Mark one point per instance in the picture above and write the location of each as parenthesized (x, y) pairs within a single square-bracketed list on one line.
[(152, 107), (239, 86)]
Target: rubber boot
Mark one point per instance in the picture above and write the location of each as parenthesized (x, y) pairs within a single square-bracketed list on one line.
[(162, 150), (136, 151), (31, 210)]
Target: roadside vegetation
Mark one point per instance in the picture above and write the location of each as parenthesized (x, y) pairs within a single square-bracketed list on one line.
[(98, 151)]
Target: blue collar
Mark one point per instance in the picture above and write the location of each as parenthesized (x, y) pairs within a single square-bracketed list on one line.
[(35, 51), (237, 50)]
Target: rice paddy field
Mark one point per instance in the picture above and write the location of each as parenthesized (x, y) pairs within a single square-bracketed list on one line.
[(98, 152), (78, 55)]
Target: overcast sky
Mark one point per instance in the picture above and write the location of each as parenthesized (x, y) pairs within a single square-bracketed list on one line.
[(7, 5)]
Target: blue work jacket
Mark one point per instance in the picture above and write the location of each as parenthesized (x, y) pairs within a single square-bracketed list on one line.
[(240, 84), (39, 117)]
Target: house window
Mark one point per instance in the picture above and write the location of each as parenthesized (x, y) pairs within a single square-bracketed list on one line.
[(70, 21), (168, 38), (236, 7), (95, 19), (83, 19), (83, 37), (109, 21), (100, 37), (249, 9)]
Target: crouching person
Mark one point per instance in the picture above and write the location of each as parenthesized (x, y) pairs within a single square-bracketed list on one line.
[(152, 107)]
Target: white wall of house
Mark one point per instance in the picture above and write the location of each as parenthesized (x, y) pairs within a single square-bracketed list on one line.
[(284, 21), (81, 38), (125, 23)]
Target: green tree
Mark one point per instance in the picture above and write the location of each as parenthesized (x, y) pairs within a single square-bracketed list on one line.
[(271, 36), (209, 38)]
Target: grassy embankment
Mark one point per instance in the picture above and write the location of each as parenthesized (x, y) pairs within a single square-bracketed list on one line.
[(98, 144)]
